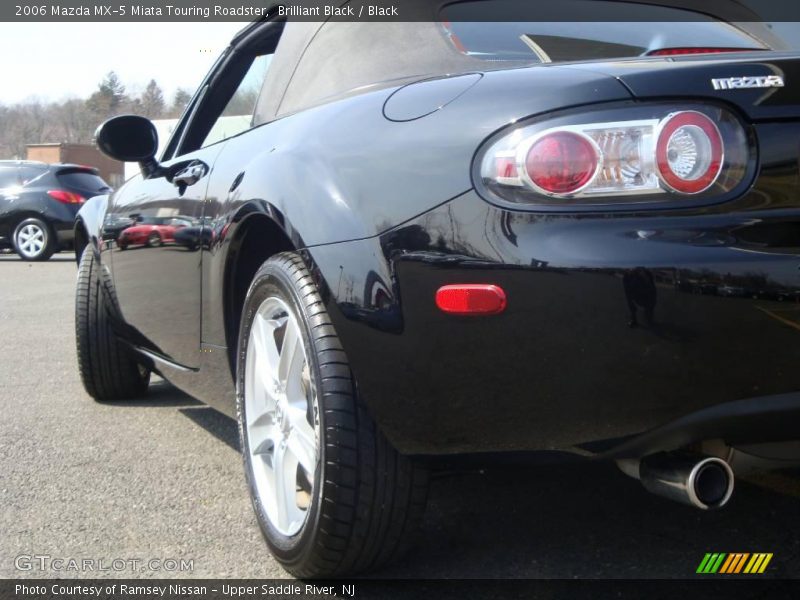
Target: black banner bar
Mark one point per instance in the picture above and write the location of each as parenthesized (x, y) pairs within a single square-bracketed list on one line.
[(65, 11), (710, 588)]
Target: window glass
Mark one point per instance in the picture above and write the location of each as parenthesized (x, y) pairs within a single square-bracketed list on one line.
[(564, 41), (29, 174), (83, 180), (237, 116), (146, 220), (787, 32), (8, 177), (549, 40)]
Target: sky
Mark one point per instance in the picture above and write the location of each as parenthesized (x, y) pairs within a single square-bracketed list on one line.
[(53, 61)]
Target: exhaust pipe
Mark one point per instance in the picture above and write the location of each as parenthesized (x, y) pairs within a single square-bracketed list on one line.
[(704, 482)]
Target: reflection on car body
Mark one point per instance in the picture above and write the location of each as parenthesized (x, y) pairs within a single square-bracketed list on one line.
[(484, 237), (151, 231)]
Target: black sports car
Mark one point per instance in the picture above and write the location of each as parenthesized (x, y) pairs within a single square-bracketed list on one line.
[(38, 204), (455, 237)]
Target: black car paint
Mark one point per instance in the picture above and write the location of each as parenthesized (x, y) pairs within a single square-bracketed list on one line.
[(385, 212), (31, 200), (690, 77)]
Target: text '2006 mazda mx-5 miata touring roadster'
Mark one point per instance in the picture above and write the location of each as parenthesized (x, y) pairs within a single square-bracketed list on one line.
[(457, 237)]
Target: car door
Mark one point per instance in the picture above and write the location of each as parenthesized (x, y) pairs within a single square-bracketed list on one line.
[(9, 184), (157, 275)]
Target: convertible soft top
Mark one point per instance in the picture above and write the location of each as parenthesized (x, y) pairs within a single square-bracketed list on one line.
[(340, 57)]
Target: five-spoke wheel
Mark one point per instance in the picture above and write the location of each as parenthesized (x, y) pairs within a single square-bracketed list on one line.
[(282, 416), (331, 495)]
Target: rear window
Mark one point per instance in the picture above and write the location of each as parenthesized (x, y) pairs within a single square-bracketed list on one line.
[(8, 177), (83, 180), (641, 29), (786, 33)]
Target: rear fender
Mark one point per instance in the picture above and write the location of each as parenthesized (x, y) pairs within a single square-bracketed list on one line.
[(89, 225)]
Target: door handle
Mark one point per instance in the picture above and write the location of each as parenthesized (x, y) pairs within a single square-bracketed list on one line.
[(236, 182), (190, 175)]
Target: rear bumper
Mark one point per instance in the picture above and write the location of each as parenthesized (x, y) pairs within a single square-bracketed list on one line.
[(613, 327), (62, 219), (741, 422), (66, 236)]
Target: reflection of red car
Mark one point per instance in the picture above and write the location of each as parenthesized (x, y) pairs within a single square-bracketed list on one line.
[(151, 231)]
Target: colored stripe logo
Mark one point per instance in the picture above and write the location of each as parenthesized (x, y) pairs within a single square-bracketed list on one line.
[(734, 563)]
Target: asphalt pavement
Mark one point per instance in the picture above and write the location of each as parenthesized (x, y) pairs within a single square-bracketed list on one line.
[(160, 479)]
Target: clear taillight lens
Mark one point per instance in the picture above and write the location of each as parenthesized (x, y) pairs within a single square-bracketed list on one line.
[(689, 152), (579, 160)]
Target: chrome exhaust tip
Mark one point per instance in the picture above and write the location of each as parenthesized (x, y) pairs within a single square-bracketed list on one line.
[(705, 482)]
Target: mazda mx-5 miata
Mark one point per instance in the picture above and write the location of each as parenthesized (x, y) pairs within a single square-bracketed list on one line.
[(459, 237)]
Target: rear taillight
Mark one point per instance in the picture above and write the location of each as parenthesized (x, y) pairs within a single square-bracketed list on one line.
[(610, 157), (66, 197)]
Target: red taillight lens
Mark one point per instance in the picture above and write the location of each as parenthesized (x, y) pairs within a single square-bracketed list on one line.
[(690, 50), (689, 152), (471, 299), (66, 197), (562, 162)]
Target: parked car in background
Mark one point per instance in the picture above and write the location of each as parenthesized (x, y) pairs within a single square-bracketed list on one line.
[(114, 227), (151, 231), (38, 204), (434, 238), (733, 291), (197, 235)]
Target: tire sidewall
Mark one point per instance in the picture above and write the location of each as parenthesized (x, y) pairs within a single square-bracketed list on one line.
[(48, 239), (272, 280), (94, 334)]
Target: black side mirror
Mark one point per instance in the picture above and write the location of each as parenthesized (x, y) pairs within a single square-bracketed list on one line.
[(129, 138)]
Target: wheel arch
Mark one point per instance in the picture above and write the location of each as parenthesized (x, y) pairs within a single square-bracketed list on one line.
[(89, 225), (27, 213), (256, 238), (81, 239)]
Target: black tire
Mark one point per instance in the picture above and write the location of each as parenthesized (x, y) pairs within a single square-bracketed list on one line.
[(107, 369), (367, 499), (49, 246), (154, 240)]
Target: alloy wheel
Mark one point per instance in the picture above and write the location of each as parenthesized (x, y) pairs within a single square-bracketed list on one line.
[(31, 240), (281, 416)]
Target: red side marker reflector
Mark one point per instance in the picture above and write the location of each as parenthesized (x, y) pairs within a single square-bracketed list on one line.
[(471, 299)]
